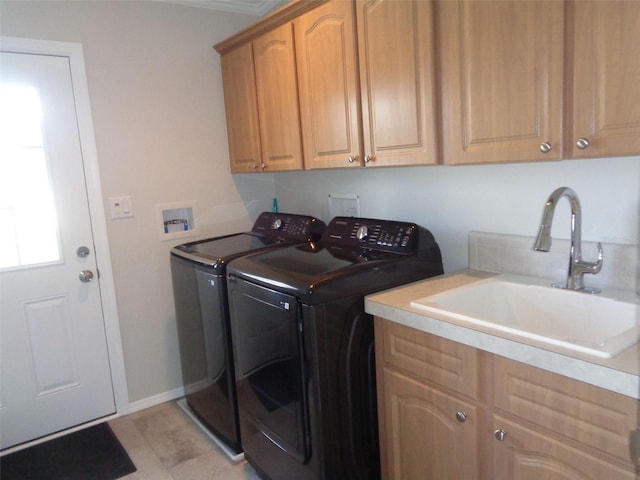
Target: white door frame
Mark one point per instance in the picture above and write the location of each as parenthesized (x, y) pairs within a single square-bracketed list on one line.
[(75, 53)]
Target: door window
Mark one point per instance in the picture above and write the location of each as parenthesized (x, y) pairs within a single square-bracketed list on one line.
[(28, 224)]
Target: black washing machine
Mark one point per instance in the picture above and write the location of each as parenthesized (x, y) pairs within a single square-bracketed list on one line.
[(198, 271), (304, 346)]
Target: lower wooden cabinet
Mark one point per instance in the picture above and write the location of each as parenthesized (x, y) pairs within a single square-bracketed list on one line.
[(428, 427), (449, 411)]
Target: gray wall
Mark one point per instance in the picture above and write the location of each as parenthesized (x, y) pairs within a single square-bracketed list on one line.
[(453, 200)]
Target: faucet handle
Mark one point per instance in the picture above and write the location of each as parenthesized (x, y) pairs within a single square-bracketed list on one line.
[(598, 265), (580, 267)]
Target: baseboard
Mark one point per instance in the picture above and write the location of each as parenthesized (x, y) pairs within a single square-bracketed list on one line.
[(156, 400)]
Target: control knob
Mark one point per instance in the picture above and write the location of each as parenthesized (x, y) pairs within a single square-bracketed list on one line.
[(362, 233), (277, 224)]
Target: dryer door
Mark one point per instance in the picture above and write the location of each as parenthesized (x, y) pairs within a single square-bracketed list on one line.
[(269, 368)]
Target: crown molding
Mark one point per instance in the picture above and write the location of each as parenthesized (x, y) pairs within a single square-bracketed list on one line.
[(259, 8)]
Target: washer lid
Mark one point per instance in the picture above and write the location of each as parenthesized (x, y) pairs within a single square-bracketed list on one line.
[(221, 250)]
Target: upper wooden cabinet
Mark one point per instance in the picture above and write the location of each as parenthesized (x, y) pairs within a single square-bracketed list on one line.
[(606, 78), (368, 100), (501, 67), (396, 47), (328, 81), (384, 82), (261, 99)]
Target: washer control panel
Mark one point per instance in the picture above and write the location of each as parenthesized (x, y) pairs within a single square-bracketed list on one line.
[(288, 226)]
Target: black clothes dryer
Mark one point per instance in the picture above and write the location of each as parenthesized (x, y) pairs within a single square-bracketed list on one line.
[(198, 271), (304, 346)]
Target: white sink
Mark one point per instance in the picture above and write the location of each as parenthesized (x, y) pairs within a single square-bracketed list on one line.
[(592, 324)]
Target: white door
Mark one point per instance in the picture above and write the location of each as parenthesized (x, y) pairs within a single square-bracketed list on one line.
[(55, 370)]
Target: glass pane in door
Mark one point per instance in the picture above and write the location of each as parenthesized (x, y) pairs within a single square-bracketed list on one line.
[(28, 223)]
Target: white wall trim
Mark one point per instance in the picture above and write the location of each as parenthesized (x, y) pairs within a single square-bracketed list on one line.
[(75, 54), (154, 400)]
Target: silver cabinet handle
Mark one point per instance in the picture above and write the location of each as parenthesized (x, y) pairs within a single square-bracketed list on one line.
[(85, 276), (351, 159), (500, 435), (367, 159), (461, 416), (582, 143), (545, 147)]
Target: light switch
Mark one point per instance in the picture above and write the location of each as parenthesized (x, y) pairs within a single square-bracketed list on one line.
[(120, 207)]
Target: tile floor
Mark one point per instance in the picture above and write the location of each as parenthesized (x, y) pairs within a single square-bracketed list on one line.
[(165, 444)]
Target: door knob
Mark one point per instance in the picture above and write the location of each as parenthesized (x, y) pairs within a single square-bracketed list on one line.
[(82, 251), (85, 276)]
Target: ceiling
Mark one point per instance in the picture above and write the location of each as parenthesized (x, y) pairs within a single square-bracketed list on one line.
[(251, 7)]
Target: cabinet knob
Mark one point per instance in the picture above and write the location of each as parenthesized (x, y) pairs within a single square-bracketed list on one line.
[(461, 416), (582, 143), (367, 159), (545, 147), (500, 435), (351, 159)]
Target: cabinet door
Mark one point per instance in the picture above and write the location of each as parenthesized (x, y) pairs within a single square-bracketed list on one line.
[(590, 415), (527, 455), (241, 104), (606, 85), (328, 79), (424, 439), (397, 78), (277, 93), (501, 80)]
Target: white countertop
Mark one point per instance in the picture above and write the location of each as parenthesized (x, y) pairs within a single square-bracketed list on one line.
[(620, 374)]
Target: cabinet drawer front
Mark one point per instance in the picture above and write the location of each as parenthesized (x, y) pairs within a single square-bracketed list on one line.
[(424, 439), (527, 455), (440, 361), (582, 412)]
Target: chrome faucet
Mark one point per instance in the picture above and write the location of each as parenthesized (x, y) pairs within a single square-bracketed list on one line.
[(577, 267)]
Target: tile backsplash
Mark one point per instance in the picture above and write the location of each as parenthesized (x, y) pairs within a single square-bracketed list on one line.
[(502, 253)]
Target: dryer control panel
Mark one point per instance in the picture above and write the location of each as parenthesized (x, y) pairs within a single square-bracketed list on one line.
[(390, 236)]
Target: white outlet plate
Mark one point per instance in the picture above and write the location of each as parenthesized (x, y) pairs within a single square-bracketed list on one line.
[(121, 207)]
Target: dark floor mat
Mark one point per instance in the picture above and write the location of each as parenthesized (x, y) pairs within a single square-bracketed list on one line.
[(93, 453)]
